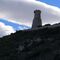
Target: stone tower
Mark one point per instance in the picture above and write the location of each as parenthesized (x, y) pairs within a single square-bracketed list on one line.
[(37, 19)]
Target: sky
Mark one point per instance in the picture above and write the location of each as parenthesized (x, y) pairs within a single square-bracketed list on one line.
[(52, 2), (22, 12)]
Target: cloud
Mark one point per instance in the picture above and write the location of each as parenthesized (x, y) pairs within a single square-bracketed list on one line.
[(5, 29), (22, 11)]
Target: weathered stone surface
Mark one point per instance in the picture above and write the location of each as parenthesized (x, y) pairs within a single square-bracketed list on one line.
[(37, 22)]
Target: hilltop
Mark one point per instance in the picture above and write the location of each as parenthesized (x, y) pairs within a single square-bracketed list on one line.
[(34, 44)]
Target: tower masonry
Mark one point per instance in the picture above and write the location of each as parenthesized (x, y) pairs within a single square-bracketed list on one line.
[(37, 19)]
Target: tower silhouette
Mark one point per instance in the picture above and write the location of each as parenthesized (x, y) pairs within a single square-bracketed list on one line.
[(37, 19)]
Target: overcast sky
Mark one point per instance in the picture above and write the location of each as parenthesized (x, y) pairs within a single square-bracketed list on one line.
[(22, 11)]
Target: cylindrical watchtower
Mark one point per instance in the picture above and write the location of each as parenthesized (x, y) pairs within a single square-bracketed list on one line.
[(37, 19)]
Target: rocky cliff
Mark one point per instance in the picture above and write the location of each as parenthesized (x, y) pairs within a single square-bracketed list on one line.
[(35, 44)]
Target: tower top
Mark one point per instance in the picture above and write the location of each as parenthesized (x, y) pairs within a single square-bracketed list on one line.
[(37, 11)]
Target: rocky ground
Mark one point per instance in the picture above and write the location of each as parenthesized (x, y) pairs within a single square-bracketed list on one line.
[(34, 44)]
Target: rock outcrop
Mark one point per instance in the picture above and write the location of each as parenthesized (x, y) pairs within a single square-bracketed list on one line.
[(38, 44)]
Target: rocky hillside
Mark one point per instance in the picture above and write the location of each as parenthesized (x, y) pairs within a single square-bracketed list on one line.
[(35, 44)]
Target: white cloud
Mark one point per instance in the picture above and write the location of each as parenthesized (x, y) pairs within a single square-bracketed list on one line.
[(5, 29), (22, 11)]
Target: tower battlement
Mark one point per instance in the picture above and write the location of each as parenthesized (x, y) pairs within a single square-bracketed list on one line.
[(37, 11)]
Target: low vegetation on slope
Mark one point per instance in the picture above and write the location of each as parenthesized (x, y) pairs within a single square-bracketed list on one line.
[(34, 44)]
